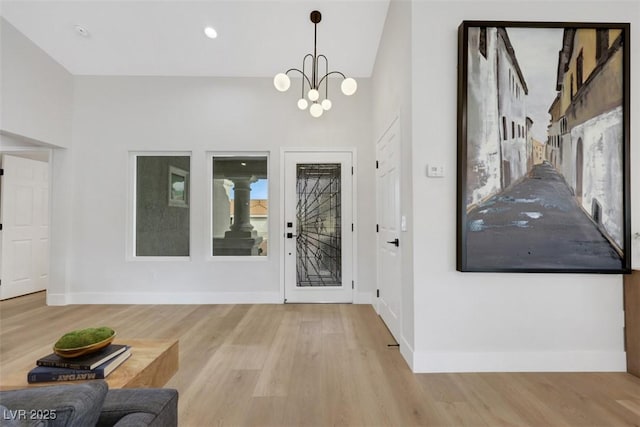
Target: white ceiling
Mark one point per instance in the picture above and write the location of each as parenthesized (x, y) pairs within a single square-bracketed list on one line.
[(165, 38)]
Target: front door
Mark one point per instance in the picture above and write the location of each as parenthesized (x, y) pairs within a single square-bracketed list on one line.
[(389, 239), (318, 229), (25, 226)]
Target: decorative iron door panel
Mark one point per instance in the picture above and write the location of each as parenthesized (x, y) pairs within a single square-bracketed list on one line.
[(319, 234)]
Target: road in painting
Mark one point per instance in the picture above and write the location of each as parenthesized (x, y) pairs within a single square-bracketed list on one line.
[(538, 224), (544, 149)]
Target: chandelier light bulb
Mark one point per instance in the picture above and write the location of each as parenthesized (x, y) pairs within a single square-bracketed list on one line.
[(326, 104), (313, 95), (282, 82), (316, 110), (349, 86), (302, 104), (211, 32)]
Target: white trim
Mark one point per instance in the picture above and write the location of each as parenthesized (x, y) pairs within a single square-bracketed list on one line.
[(363, 297), (551, 361), (56, 299), (406, 350), (170, 298)]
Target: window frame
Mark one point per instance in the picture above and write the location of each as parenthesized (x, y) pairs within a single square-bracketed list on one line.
[(210, 155), (131, 214)]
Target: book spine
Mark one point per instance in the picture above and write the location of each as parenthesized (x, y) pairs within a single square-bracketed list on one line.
[(66, 365), (71, 376)]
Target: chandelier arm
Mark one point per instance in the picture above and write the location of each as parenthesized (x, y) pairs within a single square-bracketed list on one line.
[(332, 72), (326, 72), (303, 75)]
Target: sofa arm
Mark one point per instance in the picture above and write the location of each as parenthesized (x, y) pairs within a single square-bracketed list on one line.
[(141, 406), (59, 405)]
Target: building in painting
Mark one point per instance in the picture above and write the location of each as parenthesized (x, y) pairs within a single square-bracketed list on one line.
[(538, 152), (585, 139), (498, 150)]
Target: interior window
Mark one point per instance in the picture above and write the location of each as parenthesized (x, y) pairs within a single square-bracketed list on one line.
[(240, 206)]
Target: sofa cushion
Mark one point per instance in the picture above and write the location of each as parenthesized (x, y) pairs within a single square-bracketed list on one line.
[(161, 404), (14, 418), (59, 405)]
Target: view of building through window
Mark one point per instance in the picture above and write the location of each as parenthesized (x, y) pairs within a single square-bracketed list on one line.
[(162, 205), (240, 206)]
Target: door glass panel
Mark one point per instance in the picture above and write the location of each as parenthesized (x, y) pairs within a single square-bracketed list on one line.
[(319, 236)]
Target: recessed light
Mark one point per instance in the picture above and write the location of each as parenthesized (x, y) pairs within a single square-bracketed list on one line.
[(211, 32), (82, 31)]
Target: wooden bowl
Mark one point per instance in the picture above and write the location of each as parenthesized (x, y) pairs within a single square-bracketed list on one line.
[(81, 351)]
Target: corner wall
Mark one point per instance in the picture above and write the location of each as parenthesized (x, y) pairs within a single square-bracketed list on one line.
[(496, 322)]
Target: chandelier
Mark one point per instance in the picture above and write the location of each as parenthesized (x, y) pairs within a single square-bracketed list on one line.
[(314, 82)]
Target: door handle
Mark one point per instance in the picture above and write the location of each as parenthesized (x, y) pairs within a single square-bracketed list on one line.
[(395, 242), (291, 235)]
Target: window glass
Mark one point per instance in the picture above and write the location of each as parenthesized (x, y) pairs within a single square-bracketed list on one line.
[(240, 206), (162, 206)]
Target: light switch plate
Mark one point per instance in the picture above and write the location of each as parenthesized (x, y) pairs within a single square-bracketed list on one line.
[(435, 171)]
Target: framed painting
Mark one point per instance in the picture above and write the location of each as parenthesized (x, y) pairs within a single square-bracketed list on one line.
[(543, 147), (178, 187)]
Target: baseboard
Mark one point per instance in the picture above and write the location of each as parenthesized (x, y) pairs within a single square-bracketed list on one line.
[(56, 299), (176, 298), (363, 298), (406, 350), (556, 361)]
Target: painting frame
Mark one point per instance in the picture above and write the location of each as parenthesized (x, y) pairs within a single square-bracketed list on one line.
[(566, 250), (178, 178)]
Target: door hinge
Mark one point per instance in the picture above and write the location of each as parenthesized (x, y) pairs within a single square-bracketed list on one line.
[(377, 228), (351, 170), (353, 285), (351, 226), (0, 227), (377, 164), (1, 172), (377, 293)]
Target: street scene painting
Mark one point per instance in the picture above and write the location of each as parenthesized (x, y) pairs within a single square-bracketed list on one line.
[(543, 147)]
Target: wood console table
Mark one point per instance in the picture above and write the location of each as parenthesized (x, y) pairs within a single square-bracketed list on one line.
[(152, 364)]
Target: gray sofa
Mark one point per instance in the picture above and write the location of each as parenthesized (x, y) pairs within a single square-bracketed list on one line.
[(88, 404)]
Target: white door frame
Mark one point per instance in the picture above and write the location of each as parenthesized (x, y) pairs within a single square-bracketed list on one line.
[(383, 310), (354, 197)]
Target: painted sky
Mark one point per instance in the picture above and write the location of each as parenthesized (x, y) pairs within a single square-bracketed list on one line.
[(537, 52)]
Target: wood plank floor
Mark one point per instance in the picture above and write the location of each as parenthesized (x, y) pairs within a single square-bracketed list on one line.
[(319, 365)]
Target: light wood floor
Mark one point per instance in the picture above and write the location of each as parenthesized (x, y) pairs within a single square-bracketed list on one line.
[(321, 365)]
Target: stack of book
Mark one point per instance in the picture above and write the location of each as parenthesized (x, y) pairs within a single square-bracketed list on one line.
[(88, 367)]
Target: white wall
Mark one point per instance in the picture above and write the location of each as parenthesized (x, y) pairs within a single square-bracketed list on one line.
[(391, 91), (36, 91), (496, 322), (116, 115)]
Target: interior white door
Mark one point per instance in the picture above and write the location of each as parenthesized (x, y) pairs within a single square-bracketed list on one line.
[(25, 226), (388, 242), (318, 229)]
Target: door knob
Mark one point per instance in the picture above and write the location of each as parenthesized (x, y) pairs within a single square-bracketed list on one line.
[(395, 242)]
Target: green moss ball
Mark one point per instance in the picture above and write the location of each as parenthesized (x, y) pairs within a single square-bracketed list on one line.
[(84, 337)]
